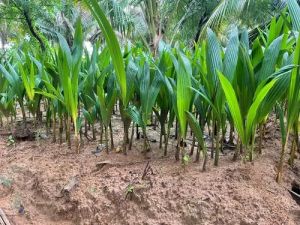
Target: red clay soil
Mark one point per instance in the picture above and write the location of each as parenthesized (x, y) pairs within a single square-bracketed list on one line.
[(34, 173)]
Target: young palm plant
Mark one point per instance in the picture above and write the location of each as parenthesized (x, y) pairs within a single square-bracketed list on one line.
[(293, 107), (68, 67), (182, 98), (16, 86), (116, 56), (148, 89)]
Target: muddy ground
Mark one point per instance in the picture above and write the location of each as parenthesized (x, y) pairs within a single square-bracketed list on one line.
[(33, 175)]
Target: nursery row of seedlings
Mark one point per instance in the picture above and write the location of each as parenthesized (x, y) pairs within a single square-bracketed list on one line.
[(213, 85)]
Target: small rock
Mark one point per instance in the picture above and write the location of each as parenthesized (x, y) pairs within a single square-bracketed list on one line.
[(163, 184), (21, 209)]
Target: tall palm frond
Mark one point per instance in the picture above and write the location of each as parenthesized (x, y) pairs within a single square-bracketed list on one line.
[(241, 12)]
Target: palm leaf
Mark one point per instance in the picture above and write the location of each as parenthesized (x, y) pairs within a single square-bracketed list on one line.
[(113, 45), (233, 105), (294, 10)]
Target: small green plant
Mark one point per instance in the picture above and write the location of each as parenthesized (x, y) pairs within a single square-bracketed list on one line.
[(186, 159), (11, 141), (6, 182), (130, 188), (129, 191)]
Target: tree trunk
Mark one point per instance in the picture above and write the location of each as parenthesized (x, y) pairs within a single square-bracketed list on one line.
[(203, 19), (32, 30)]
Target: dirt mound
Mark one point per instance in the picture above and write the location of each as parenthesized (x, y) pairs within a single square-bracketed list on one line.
[(117, 189)]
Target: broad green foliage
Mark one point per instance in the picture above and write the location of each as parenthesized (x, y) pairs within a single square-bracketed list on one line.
[(183, 92), (205, 89), (68, 67), (112, 43), (294, 10)]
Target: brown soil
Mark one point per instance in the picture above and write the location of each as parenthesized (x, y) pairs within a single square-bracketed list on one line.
[(33, 173)]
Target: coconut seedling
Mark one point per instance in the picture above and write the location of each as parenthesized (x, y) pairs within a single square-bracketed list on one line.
[(164, 111), (293, 107), (182, 96), (116, 57), (106, 102), (7, 101), (16, 86), (62, 80), (68, 67), (148, 89)]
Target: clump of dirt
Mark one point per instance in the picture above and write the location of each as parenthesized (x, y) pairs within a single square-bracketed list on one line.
[(23, 131), (56, 186)]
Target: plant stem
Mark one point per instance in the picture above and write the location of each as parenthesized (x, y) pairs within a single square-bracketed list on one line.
[(111, 136), (23, 112), (54, 127), (85, 128), (252, 147), (193, 145), (280, 165), (101, 132), (182, 148), (77, 143), (177, 150), (198, 153), (261, 136), (68, 129), (162, 130), (238, 148), (167, 141), (212, 140), (216, 162), (293, 153), (61, 129), (230, 141), (137, 132), (147, 146), (93, 131), (106, 138), (131, 137), (176, 129), (205, 160)]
